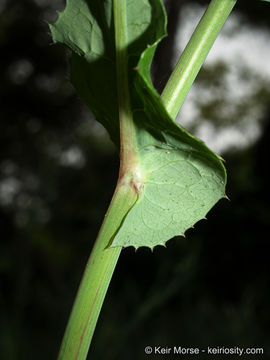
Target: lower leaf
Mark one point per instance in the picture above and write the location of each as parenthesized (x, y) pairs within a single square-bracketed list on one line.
[(178, 190)]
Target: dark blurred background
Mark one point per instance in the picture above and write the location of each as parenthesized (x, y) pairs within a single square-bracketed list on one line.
[(58, 169)]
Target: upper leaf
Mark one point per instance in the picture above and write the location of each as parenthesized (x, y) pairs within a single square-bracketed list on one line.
[(86, 27), (181, 178)]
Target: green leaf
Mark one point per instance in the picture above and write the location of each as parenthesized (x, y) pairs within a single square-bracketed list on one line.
[(180, 178), (178, 191), (86, 27)]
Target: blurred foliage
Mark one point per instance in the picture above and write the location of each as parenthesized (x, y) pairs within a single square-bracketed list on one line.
[(57, 174)]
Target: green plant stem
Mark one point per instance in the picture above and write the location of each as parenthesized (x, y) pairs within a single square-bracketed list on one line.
[(95, 281), (195, 54), (128, 145), (102, 261)]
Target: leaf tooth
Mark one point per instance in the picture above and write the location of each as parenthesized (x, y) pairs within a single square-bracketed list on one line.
[(221, 158), (162, 243), (137, 247)]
